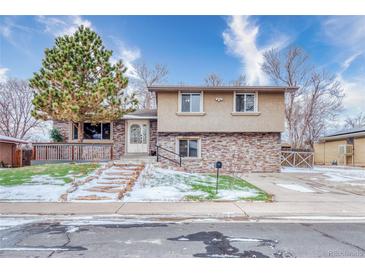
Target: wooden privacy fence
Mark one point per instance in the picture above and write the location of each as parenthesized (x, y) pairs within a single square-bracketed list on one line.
[(66, 152), (297, 158)]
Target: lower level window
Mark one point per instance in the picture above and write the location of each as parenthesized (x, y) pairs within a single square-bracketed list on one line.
[(100, 131), (188, 148)]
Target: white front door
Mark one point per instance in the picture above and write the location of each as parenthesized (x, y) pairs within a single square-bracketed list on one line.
[(138, 136)]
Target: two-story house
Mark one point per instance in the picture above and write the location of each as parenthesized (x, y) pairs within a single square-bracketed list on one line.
[(240, 126)]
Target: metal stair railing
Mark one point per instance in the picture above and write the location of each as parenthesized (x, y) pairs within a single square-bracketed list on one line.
[(159, 148)]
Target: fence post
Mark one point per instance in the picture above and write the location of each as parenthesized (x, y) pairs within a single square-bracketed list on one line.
[(157, 153), (34, 151)]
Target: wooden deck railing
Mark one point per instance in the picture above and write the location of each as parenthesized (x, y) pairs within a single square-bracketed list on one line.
[(72, 152)]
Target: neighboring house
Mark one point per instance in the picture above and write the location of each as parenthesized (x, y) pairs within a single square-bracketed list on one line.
[(345, 147), (8, 150), (240, 126)]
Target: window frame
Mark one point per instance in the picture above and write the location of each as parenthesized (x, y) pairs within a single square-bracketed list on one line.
[(180, 101), (73, 127), (188, 139), (255, 110)]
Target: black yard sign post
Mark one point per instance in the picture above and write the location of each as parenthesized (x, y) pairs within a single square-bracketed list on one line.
[(218, 165)]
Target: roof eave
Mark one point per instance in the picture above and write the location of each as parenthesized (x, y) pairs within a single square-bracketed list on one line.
[(222, 88), (342, 136)]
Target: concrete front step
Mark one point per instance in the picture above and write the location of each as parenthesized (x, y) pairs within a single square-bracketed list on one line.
[(120, 182), (106, 190), (118, 179), (120, 172)]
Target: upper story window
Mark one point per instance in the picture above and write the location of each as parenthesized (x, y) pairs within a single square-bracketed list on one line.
[(245, 102), (190, 102), (100, 131)]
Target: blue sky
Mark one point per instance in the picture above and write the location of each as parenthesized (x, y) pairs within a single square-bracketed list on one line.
[(194, 46)]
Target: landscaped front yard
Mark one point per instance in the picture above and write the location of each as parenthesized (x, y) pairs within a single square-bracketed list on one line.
[(41, 182), (156, 184), (49, 182)]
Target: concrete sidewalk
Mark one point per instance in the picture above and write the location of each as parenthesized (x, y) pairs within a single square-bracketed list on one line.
[(254, 210)]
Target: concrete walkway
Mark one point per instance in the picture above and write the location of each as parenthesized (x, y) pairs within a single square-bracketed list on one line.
[(254, 210)]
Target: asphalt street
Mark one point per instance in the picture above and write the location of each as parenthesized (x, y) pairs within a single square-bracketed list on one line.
[(126, 238)]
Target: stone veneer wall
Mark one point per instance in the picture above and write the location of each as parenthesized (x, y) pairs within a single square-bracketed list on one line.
[(64, 128), (239, 152), (118, 139), (153, 136)]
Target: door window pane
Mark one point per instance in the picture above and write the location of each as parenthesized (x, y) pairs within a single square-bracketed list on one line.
[(183, 148), (185, 102), (250, 102), (195, 102), (240, 102), (135, 134), (193, 148)]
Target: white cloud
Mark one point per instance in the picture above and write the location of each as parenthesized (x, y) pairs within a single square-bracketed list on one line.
[(349, 60), (3, 74), (345, 30), (347, 35), (354, 100), (240, 39), (128, 55), (58, 26), (5, 31)]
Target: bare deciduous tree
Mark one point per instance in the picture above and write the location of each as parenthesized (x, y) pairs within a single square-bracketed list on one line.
[(356, 121), (15, 109), (149, 77), (213, 80), (317, 101), (240, 81)]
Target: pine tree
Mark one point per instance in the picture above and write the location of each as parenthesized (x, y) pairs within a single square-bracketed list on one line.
[(78, 82)]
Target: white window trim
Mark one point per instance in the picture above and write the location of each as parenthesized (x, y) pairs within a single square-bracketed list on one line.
[(177, 147), (256, 105), (201, 107)]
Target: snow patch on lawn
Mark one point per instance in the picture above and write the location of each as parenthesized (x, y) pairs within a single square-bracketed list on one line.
[(157, 184), (334, 174), (42, 188), (296, 187)]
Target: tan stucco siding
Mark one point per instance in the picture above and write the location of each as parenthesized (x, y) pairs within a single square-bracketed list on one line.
[(218, 116), (7, 153), (359, 151), (331, 151), (319, 152)]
